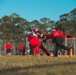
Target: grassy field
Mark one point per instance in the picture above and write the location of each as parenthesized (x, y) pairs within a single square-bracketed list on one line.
[(37, 65)]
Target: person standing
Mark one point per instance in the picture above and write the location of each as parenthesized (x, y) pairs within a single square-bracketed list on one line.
[(21, 49), (8, 48)]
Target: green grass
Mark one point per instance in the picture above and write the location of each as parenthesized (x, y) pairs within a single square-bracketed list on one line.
[(37, 65)]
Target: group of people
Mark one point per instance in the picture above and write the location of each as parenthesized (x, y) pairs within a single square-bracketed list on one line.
[(57, 37), (36, 45), (8, 48)]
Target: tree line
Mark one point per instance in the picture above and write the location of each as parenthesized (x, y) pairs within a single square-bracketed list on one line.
[(14, 27)]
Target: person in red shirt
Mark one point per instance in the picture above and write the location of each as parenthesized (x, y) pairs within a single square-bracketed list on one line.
[(8, 48), (58, 37), (35, 42), (21, 49)]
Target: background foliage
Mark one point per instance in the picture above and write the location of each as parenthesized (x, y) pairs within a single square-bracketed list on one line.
[(13, 27)]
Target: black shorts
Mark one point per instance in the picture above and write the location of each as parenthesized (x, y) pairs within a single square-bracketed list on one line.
[(8, 51), (21, 52)]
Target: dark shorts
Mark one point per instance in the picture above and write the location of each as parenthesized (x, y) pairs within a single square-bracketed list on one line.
[(8, 51), (21, 51)]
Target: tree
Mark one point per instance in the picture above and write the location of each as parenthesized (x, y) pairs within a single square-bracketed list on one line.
[(12, 28), (6, 28), (68, 16), (47, 24), (68, 22)]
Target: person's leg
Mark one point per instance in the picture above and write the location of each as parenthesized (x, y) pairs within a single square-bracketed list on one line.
[(59, 42), (21, 52), (35, 51), (33, 44), (56, 50), (9, 51), (31, 50), (39, 51), (46, 52), (36, 42), (39, 44)]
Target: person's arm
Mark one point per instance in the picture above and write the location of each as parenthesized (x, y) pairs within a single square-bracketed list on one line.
[(48, 36), (68, 35)]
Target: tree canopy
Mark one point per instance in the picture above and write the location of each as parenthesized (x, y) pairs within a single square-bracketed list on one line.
[(13, 27)]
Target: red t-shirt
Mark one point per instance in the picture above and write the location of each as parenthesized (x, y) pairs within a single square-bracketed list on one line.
[(8, 46), (56, 33), (21, 47)]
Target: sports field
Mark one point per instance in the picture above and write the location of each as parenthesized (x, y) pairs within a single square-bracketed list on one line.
[(37, 65)]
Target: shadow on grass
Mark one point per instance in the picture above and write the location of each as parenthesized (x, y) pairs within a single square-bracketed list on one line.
[(15, 69)]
